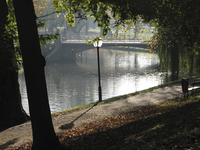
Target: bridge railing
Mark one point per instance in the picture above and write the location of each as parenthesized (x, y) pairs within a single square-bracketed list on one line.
[(105, 41), (81, 37)]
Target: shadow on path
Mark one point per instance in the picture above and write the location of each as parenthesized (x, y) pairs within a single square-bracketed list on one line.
[(70, 125), (171, 129), (6, 145)]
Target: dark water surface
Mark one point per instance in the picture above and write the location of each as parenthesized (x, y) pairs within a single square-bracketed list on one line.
[(72, 82)]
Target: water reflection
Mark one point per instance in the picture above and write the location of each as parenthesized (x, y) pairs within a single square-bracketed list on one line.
[(76, 83)]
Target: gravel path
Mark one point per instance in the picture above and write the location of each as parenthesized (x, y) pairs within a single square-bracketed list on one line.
[(20, 134)]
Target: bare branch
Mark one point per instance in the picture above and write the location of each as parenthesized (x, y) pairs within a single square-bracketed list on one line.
[(50, 14)]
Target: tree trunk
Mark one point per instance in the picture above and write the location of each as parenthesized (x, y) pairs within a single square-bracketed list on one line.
[(191, 61), (44, 136), (117, 31), (11, 111), (101, 32), (86, 26), (137, 29)]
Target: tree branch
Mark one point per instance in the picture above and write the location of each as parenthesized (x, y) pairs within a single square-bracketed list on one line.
[(50, 14)]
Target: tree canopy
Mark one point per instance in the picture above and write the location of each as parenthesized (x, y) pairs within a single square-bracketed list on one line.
[(181, 16)]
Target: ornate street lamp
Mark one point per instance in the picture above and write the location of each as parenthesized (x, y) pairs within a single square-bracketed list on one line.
[(98, 44)]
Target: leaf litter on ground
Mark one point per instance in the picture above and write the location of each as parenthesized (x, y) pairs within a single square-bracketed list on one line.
[(174, 124)]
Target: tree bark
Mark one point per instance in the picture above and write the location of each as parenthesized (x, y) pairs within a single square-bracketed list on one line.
[(44, 136), (11, 111)]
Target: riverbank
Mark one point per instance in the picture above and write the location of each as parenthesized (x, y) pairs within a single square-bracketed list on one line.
[(137, 105), (117, 98)]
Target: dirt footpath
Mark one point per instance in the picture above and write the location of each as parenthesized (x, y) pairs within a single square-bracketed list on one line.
[(20, 134)]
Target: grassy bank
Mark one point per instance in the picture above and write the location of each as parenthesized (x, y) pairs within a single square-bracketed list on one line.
[(122, 96), (174, 124), (114, 98), (171, 125)]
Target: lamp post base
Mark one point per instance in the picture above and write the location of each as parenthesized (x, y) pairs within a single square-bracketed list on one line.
[(100, 96)]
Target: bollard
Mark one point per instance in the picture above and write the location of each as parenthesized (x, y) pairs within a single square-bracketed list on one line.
[(184, 83)]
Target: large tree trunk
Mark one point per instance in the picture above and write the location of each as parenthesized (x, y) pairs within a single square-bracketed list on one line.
[(11, 111), (44, 136)]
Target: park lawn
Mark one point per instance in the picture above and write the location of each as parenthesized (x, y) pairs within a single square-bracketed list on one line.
[(94, 30), (171, 125), (174, 124)]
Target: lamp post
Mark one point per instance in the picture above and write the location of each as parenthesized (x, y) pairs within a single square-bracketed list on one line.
[(98, 44)]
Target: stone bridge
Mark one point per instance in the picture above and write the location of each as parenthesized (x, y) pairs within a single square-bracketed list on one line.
[(68, 49)]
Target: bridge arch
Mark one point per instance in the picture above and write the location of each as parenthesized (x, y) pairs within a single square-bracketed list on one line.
[(69, 50)]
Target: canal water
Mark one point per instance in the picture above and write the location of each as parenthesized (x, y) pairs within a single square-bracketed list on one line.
[(72, 82)]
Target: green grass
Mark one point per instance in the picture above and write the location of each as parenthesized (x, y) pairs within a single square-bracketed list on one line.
[(174, 124), (114, 98), (94, 30), (170, 125), (121, 96)]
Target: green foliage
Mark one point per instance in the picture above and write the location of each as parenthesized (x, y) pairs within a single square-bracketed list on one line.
[(11, 33), (47, 37), (174, 55), (41, 24), (9, 55), (181, 17), (101, 11), (44, 38)]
